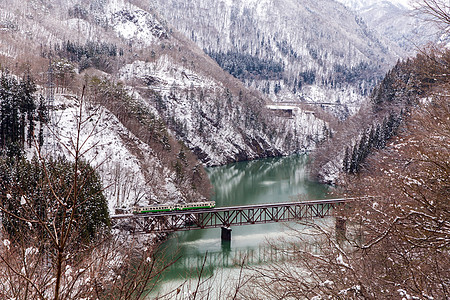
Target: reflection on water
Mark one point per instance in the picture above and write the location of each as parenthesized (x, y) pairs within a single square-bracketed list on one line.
[(263, 181)]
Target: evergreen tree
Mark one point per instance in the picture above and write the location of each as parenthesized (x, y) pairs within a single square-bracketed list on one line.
[(277, 88), (27, 107), (377, 137), (363, 149), (43, 118), (354, 160), (17, 113), (345, 161), (32, 190)]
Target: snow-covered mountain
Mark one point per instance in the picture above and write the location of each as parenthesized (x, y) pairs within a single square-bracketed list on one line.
[(167, 107), (397, 21), (301, 51), (128, 178), (161, 99), (360, 4)]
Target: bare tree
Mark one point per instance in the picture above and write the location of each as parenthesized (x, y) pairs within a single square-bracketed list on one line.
[(47, 250), (436, 11), (397, 241)]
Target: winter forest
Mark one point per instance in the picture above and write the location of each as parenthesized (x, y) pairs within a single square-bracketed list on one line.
[(109, 105)]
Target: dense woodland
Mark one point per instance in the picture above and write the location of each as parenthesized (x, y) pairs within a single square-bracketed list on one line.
[(389, 104), (244, 66), (20, 112), (92, 54)]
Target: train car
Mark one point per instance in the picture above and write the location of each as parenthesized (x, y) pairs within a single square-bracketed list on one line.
[(196, 205), (170, 207), (153, 208)]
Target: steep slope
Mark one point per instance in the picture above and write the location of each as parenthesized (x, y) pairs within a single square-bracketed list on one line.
[(359, 4), (132, 172), (210, 111), (310, 51), (396, 21), (159, 94), (410, 84)]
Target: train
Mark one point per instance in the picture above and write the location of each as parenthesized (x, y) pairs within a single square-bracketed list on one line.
[(173, 207)]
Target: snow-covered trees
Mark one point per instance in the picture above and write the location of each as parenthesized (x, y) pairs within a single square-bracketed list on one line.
[(52, 206), (245, 66), (377, 121), (17, 113), (100, 55), (142, 121), (27, 195), (406, 229), (436, 11), (56, 241), (373, 139), (319, 55), (397, 240)]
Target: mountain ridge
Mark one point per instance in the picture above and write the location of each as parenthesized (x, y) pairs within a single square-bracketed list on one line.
[(162, 88), (334, 50)]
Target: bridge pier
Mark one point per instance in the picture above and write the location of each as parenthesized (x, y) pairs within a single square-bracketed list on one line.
[(226, 234), (226, 246)]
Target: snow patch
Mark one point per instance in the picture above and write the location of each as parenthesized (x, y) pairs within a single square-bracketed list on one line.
[(136, 25), (164, 75)]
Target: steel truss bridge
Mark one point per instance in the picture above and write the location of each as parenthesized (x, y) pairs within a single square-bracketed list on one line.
[(225, 217)]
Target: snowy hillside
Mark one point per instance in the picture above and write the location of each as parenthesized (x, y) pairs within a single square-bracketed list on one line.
[(396, 21), (282, 48), (111, 148), (218, 126), (359, 4), (162, 107)]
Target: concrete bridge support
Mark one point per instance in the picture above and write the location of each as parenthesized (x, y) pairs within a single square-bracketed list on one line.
[(226, 234)]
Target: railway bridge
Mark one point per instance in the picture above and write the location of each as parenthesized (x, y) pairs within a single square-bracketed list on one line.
[(225, 217)]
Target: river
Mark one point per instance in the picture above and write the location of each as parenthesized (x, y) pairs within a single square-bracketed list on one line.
[(263, 181)]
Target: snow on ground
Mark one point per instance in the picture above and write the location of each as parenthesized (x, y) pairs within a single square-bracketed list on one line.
[(342, 99), (135, 24), (227, 137), (358, 4), (165, 74), (109, 148), (82, 27), (262, 6), (171, 80)]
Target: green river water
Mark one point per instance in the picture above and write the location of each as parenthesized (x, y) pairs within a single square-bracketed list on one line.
[(254, 182)]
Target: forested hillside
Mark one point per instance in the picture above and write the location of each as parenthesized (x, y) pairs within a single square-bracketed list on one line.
[(403, 89), (301, 51), (397, 227), (399, 21), (162, 108), (110, 104)]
